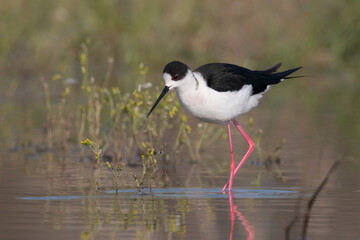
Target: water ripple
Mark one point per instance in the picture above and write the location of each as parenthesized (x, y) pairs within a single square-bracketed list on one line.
[(184, 193)]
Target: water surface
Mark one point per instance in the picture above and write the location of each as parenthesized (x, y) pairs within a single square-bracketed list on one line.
[(44, 197)]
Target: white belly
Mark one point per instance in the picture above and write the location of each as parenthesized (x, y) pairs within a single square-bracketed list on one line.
[(217, 107)]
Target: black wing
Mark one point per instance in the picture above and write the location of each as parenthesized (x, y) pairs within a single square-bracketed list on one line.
[(224, 77)]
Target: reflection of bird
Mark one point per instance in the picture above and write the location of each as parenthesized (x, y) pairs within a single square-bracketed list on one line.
[(241, 217), (219, 93)]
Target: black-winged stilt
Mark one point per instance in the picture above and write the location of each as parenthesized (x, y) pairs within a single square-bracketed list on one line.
[(219, 93)]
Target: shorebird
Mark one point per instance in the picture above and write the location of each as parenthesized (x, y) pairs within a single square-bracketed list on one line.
[(220, 93)]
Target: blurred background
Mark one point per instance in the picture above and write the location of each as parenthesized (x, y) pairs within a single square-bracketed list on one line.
[(45, 47), (40, 39)]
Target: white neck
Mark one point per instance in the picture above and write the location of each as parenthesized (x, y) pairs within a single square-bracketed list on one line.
[(188, 83)]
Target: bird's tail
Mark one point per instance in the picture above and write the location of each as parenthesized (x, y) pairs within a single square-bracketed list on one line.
[(284, 75)]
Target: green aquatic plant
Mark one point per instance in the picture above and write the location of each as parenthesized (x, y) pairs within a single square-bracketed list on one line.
[(58, 122), (149, 168), (49, 129), (96, 150), (272, 160), (116, 173)]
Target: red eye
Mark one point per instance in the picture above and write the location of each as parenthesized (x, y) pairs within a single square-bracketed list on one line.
[(176, 77)]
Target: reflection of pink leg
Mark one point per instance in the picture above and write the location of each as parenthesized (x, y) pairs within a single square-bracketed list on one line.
[(232, 215), (241, 217), (232, 165), (250, 149), (246, 224)]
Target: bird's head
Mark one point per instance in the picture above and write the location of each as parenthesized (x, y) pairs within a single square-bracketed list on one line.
[(174, 75)]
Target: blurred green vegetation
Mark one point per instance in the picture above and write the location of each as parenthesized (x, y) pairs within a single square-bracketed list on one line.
[(42, 39)]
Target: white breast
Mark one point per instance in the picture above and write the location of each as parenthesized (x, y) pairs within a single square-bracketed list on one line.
[(217, 107)]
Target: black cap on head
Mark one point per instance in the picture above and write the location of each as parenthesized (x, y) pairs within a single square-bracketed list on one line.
[(176, 69)]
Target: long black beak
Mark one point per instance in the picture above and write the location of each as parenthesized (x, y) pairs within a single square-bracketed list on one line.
[(164, 91)]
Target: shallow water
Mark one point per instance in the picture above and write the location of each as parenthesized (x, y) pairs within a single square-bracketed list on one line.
[(45, 196)]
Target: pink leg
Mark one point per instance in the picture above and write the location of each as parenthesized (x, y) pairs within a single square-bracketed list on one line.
[(232, 165), (250, 149)]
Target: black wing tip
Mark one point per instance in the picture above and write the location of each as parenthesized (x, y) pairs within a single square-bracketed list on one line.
[(290, 71), (272, 69), (277, 66)]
